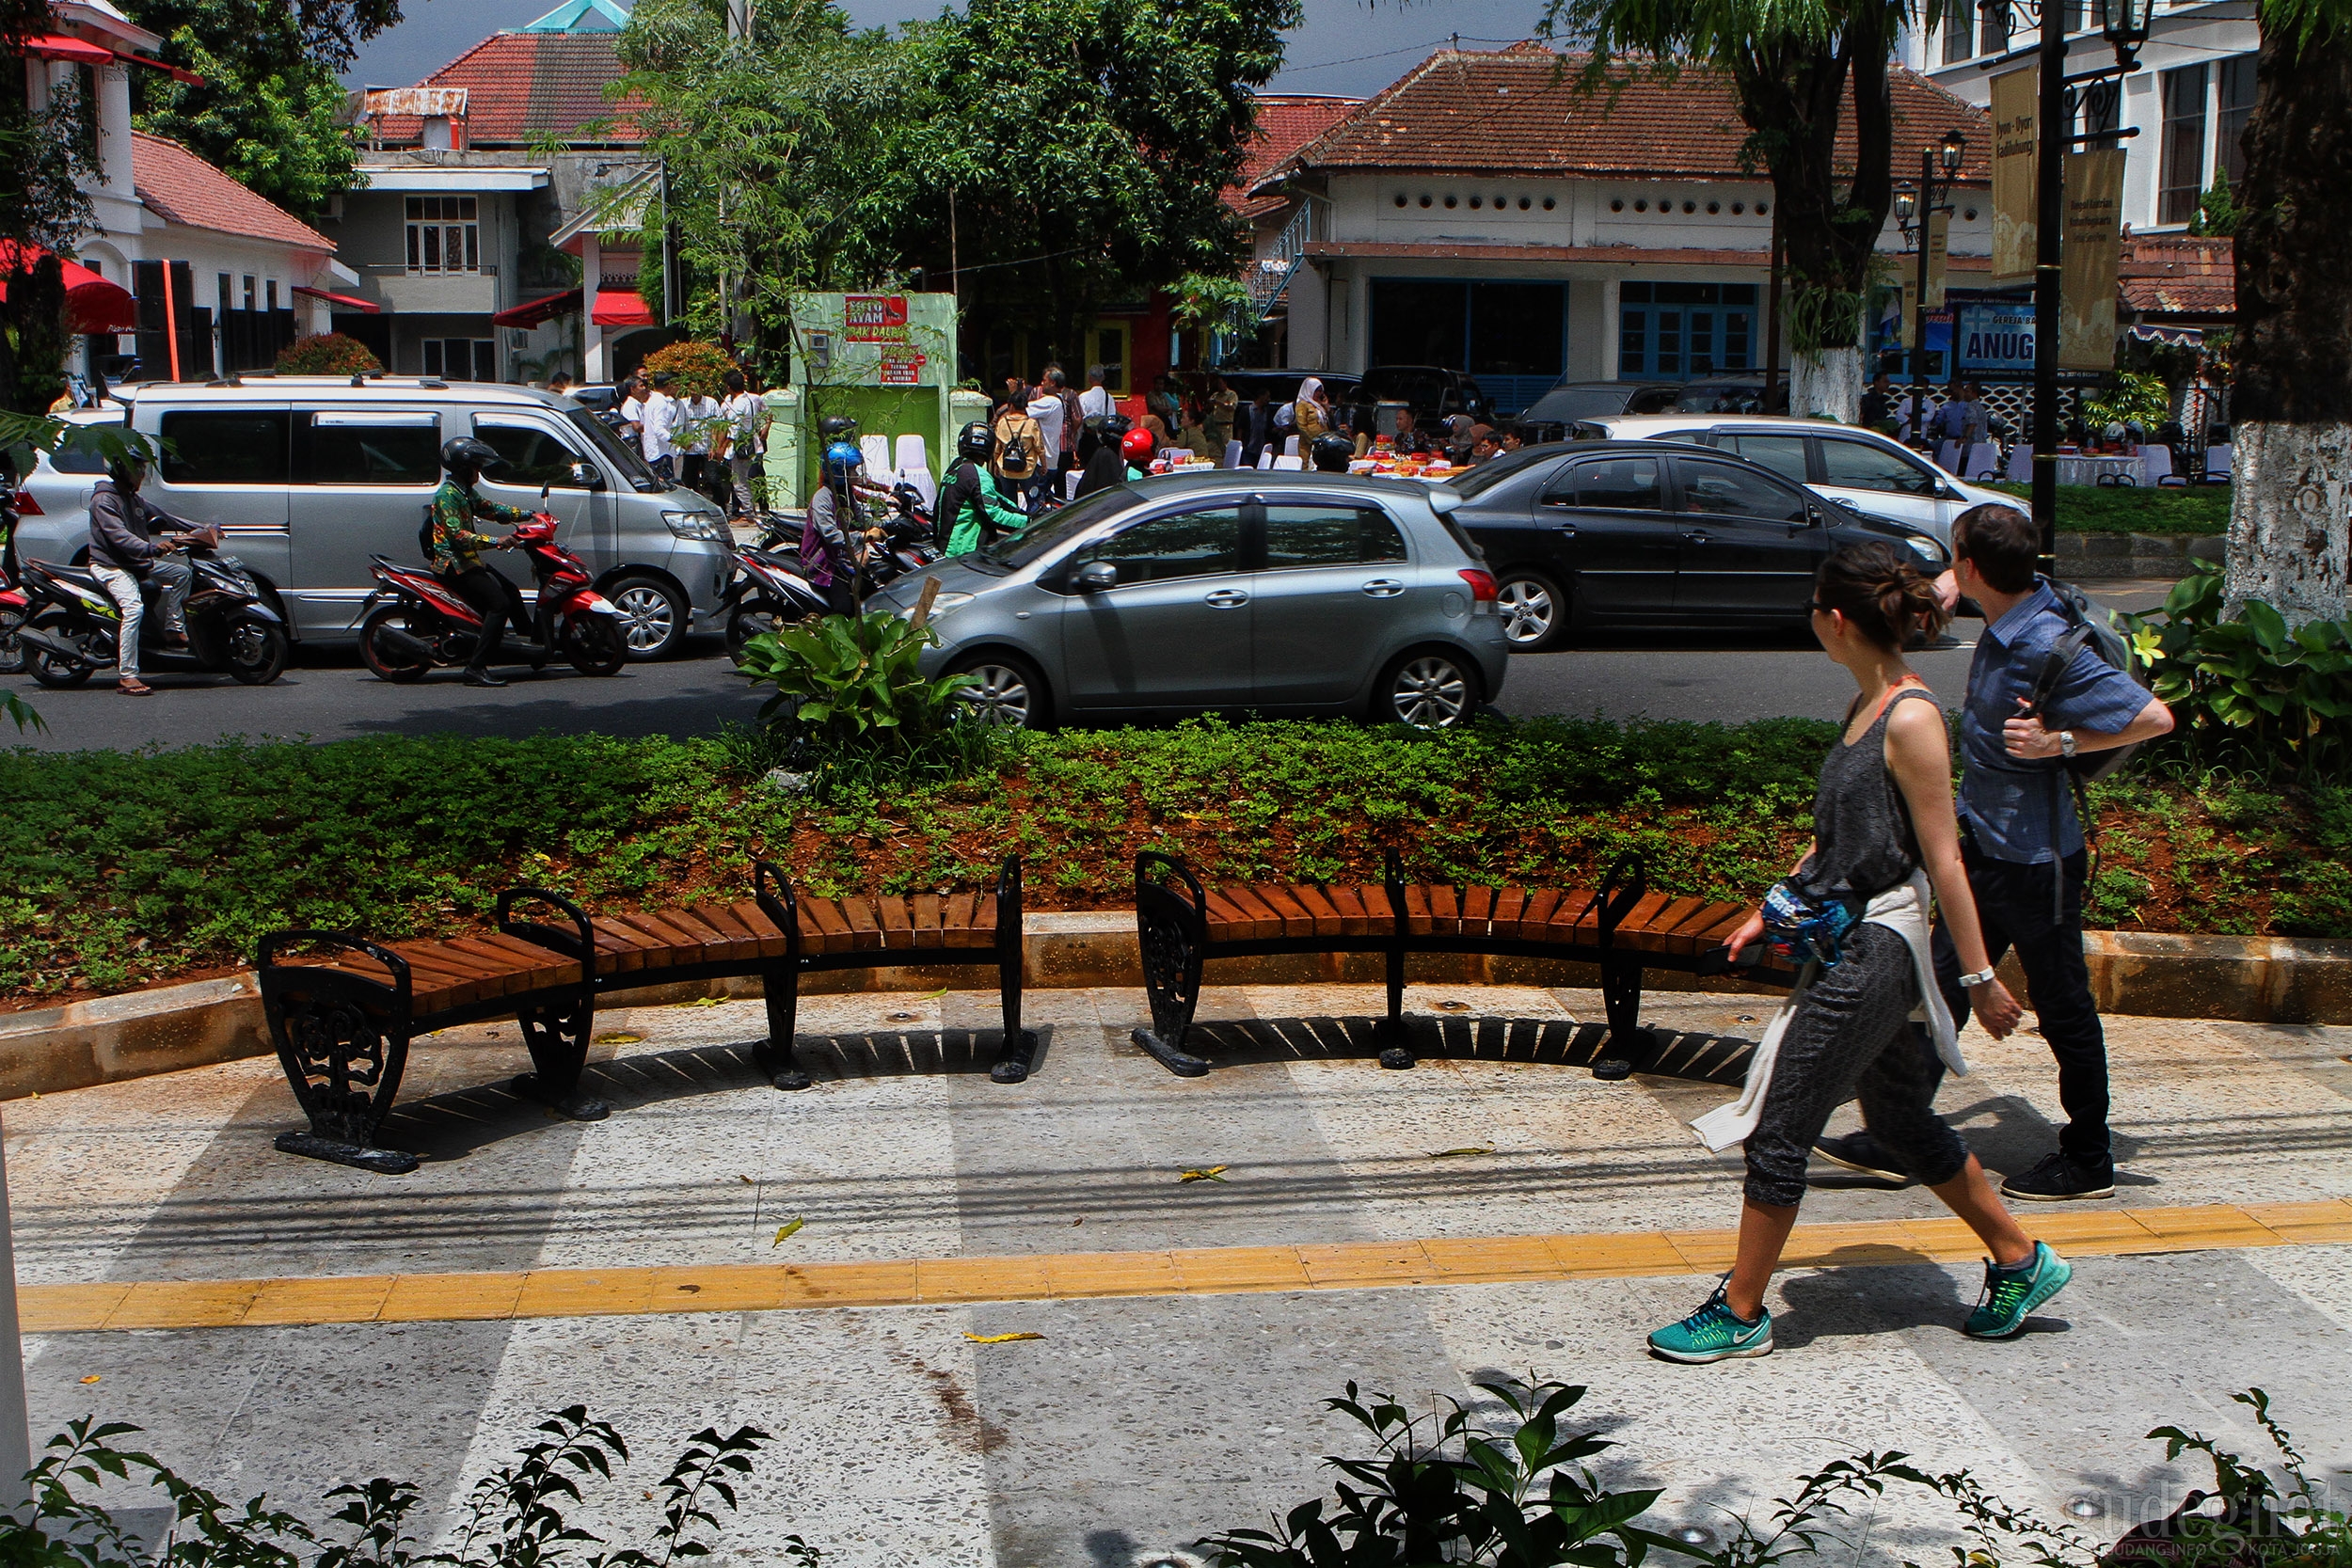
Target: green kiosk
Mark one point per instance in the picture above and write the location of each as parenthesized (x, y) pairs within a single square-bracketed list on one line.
[(885, 360)]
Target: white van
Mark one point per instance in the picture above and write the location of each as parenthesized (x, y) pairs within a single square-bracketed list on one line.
[(310, 476)]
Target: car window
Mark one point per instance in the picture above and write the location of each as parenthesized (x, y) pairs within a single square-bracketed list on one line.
[(1612, 484), (1329, 536), (226, 446), (622, 455), (369, 447), (1704, 438), (1783, 454), (1866, 465), (527, 454), (1657, 400), (1496, 469), (1186, 544), (83, 460), (1729, 490)]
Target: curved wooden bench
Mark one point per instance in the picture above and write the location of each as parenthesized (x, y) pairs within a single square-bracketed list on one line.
[(343, 1009), (1621, 926)]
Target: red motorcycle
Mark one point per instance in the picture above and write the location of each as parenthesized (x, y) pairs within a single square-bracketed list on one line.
[(427, 625)]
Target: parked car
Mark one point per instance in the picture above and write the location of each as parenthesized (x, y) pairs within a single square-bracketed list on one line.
[(58, 484), (1279, 592), (1860, 468), (1432, 391), (310, 476), (1730, 395), (1585, 534), (1550, 418)]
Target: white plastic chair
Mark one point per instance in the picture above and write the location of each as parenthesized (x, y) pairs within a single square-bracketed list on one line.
[(1290, 445), (2156, 464), (1292, 465), (879, 468), (1070, 486), (1947, 456), (1233, 455), (2020, 463), (914, 467), (2217, 463), (1265, 459)]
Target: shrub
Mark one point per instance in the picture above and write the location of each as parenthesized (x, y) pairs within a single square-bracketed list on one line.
[(2249, 695), (328, 353), (700, 367)]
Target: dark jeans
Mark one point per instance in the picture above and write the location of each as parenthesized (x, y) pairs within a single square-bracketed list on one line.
[(2013, 906), (496, 601)]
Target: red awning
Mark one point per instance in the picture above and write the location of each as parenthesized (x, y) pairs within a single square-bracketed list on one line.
[(57, 46), (341, 302), (534, 311), (621, 307), (177, 73), (91, 303)]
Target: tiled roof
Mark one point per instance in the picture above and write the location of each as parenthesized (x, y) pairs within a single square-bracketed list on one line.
[(1286, 122), (1519, 111), (2179, 274), (521, 88), (1456, 251), (178, 186)]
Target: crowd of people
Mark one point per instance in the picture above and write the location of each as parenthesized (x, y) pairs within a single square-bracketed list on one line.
[(710, 445)]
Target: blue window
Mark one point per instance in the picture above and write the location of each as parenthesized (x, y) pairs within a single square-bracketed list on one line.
[(1677, 329)]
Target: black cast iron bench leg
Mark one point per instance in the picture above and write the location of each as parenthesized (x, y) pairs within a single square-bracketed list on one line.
[(1018, 1053), (1396, 1050), (780, 982), (1171, 933), (342, 1041), (557, 1026)]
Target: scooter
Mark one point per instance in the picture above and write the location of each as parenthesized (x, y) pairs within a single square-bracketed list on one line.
[(767, 592), (71, 625), (415, 621)]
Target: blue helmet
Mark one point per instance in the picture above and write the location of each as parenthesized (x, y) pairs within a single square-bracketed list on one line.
[(842, 460)]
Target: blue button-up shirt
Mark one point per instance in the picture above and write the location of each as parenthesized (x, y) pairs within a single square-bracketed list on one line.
[(2022, 810)]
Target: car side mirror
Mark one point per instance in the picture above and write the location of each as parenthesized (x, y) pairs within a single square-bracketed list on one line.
[(586, 477), (1096, 576)]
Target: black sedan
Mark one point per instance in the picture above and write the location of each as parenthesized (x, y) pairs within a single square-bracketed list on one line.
[(1589, 534)]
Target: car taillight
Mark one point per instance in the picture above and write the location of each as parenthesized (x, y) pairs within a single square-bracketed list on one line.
[(26, 506), (1481, 585)]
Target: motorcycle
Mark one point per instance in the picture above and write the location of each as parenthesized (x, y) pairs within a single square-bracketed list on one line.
[(71, 622), (766, 592), (13, 597), (426, 625)]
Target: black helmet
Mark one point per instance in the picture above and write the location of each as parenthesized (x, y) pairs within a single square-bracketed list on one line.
[(467, 455), (974, 442), (1108, 426), (1332, 453), (836, 427)]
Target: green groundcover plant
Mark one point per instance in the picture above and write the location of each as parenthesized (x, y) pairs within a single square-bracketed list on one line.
[(2248, 692)]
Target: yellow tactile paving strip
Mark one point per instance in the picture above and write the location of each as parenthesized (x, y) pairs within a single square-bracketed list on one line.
[(1205, 1271)]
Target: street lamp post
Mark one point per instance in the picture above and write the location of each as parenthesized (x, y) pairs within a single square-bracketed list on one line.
[(1925, 204), (2124, 25)]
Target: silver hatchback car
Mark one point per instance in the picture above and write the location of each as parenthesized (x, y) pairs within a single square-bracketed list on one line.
[(1276, 592)]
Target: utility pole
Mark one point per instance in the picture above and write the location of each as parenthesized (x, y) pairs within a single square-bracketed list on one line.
[(2053, 127)]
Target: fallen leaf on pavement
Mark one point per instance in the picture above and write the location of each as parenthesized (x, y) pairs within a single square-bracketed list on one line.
[(787, 1229), (932, 995), (1450, 1153), (1214, 1173), (704, 1002), (92, 1378), (998, 1339), (747, 1182), (620, 1036)]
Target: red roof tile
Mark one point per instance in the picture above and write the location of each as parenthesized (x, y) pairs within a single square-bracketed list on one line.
[(1286, 122), (2179, 274), (178, 186), (1517, 111), (521, 88)]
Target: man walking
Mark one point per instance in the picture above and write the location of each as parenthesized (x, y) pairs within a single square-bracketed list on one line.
[(2019, 840), (660, 422), (1096, 400), (1046, 409), (744, 436), (1020, 449)]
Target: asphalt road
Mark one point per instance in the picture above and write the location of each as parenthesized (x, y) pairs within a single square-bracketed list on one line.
[(329, 696)]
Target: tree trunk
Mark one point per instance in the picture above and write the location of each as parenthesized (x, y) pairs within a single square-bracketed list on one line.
[(2291, 480), (1827, 383)]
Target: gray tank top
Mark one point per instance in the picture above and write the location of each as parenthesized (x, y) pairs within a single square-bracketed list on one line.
[(1863, 839)]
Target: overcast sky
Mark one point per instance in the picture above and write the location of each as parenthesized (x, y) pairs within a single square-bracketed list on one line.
[(1346, 46)]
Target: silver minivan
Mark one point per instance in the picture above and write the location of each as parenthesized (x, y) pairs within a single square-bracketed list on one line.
[(310, 476)]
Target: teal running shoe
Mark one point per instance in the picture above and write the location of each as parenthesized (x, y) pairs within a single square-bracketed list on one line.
[(2010, 1294), (1715, 1333)]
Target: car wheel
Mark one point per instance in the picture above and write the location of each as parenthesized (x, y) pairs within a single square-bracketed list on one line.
[(1428, 690), (1534, 612), (653, 615), (1009, 694)]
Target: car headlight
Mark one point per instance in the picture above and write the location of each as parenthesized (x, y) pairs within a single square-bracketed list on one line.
[(940, 606), (695, 525)]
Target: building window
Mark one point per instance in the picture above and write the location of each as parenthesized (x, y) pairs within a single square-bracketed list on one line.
[(2181, 175), (461, 359), (1992, 24), (444, 234), (249, 292), (1955, 38), (1678, 329), (271, 287), (2236, 106)]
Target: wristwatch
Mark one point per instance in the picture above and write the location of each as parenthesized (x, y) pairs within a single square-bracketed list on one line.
[(2066, 744), (1982, 977)]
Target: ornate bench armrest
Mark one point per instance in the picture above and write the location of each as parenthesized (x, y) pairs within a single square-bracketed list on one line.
[(578, 942)]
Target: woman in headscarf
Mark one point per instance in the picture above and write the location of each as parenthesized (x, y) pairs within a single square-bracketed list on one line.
[(1310, 416)]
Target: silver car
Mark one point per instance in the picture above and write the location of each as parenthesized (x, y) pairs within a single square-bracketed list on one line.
[(1278, 593)]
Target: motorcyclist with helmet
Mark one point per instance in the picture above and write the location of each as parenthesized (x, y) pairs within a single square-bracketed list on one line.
[(456, 549), (1106, 464), (969, 509), (1332, 453), (831, 550), (125, 554)]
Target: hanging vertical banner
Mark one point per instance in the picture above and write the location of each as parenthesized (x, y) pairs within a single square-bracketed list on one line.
[(2016, 106), (1939, 241), (2093, 247)]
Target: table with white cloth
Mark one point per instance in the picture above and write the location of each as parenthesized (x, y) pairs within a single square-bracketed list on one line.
[(2080, 470)]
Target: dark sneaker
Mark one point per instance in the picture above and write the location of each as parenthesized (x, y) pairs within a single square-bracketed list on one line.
[(1715, 1333), (483, 677), (2059, 1180), (2010, 1294), (1859, 1151)]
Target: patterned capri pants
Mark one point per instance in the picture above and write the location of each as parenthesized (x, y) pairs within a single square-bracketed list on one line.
[(1852, 1038)]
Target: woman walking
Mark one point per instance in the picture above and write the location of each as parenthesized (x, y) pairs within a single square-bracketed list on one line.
[(1856, 909)]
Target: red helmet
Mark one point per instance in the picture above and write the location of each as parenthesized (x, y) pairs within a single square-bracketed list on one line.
[(1136, 446)]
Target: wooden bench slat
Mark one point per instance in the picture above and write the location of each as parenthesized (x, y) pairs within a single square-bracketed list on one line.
[(832, 925), (1319, 908), (1297, 921), (1504, 921), (1478, 904), (1377, 910), (512, 972), (1656, 930), (925, 920), (1707, 930), (706, 942), (984, 915), (1225, 922), (955, 919), (740, 944), (1265, 924), (897, 923), (865, 928), (661, 946), (1634, 930), (1574, 919), (627, 945), (1535, 915), (1416, 916), (754, 919), (1667, 923), (1445, 910), (1353, 921), (540, 966)]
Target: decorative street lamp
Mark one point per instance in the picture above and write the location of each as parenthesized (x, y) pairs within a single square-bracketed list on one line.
[(1923, 204), (2124, 25)]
